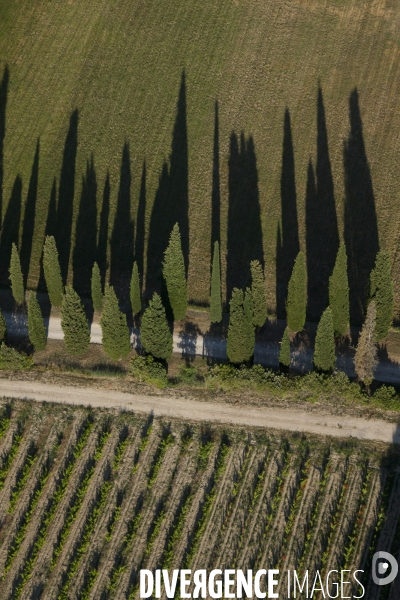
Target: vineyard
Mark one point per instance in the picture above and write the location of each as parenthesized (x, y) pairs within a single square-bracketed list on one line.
[(88, 498)]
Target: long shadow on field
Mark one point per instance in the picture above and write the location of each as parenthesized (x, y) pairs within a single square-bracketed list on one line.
[(29, 216), (171, 203), (10, 231), (322, 236), (122, 234), (360, 220), (84, 254), (288, 244), (245, 242), (66, 195), (50, 229), (103, 231), (141, 225), (215, 191), (3, 105)]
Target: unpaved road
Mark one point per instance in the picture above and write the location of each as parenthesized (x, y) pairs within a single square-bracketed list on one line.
[(265, 353), (287, 419)]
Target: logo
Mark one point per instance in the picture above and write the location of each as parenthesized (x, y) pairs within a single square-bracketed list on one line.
[(384, 564)]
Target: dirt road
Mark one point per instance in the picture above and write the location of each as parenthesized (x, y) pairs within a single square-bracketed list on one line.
[(287, 419)]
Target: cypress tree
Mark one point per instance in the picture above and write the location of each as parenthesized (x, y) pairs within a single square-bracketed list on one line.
[(3, 328), (258, 293), (241, 337), (74, 324), (136, 301), (381, 291), (116, 339), (324, 354), (36, 328), (174, 275), (52, 271), (97, 292), (215, 301), (297, 295), (339, 293), (365, 360), (155, 334), (284, 353), (17, 281)]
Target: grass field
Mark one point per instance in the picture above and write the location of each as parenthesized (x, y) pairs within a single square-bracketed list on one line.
[(120, 65), (88, 497)]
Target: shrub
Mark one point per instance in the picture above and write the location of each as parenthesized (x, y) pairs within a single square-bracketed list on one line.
[(155, 335), (116, 339), (297, 295), (174, 275), (135, 295), (146, 369), (36, 327), (3, 328), (241, 338), (17, 281), (386, 395), (52, 271), (97, 292), (258, 294), (74, 324), (12, 360), (215, 300)]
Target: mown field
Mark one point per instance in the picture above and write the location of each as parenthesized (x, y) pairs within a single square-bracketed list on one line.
[(90, 497), (120, 66)]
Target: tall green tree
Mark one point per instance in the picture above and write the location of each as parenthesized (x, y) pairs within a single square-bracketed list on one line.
[(215, 301), (74, 324), (116, 339), (339, 294), (284, 353), (135, 295), (241, 336), (155, 334), (16, 278), (3, 328), (97, 292), (381, 291), (365, 360), (297, 295), (174, 275), (324, 354), (36, 327), (52, 271), (258, 293)]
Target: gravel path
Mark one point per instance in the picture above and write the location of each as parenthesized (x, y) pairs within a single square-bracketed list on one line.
[(193, 410)]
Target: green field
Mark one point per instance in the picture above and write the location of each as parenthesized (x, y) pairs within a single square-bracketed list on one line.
[(120, 65)]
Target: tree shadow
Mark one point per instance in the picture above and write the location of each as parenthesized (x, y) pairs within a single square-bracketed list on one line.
[(288, 245), (103, 231), (322, 235), (29, 216), (3, 105), (360, 220), (171, 203), (188, 341), (245, 241), (122, 234), (84, 254), (66, 195), (141, 225), (215, 191), (10, 230)]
